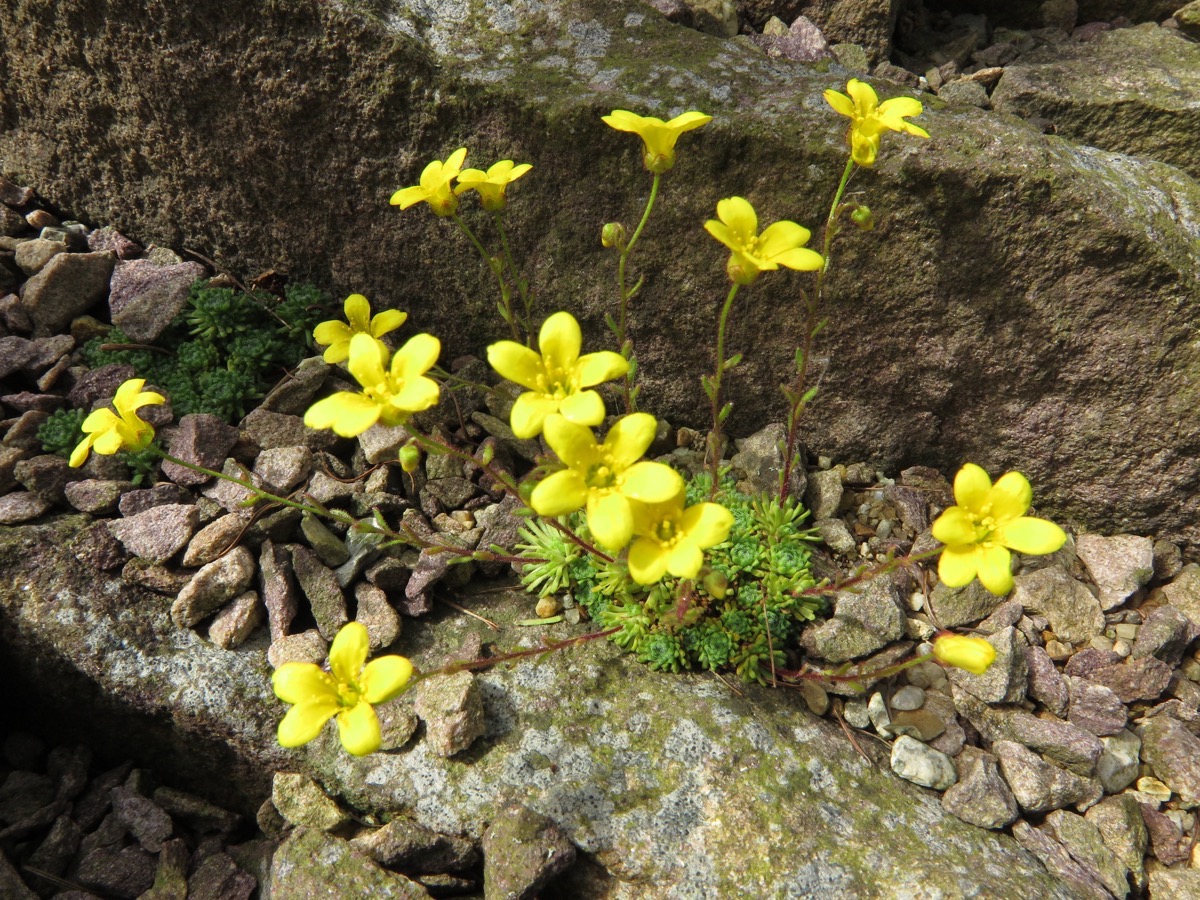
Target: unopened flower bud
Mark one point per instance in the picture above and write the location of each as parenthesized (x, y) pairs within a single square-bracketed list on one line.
[(972, 654), (861, 216), (410, 458), (612, 235), (716, 584)]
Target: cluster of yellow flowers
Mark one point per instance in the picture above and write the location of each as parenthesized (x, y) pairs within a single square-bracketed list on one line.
[(629, 502)]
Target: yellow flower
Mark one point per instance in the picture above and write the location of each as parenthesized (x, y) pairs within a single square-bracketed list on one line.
[(557, 380), (781, 244), (389, 396), (434, 188), (961, 651), (347, 691), (491, 184), (869, 118), (337, 334), (107, 433), (604, 477), (987, 522), (672, 539), (659, 137)]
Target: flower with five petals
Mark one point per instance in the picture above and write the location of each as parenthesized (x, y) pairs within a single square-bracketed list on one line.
[(972, 654), (107, 433), (671, 539), (389, 396), (337, 334), (658, 137), (869, 118), (434, 188), (604, 477), (780, 244), (492, 184), (558, 379), (348, 690), (986, 523)]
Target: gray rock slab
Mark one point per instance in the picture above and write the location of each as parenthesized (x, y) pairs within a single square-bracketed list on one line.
[(1073, 613), (1117, 564), (383, 79), (1123, 830), (67, 287), (158, 533), (1138, 98), (315, 865), (1040, 786), (981, 796), (1173, 753), (144, 297), (645, 771), (213, 586)]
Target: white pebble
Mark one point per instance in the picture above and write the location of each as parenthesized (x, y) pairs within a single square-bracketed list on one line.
[(1122, 647), (915, 762), (909, 697)]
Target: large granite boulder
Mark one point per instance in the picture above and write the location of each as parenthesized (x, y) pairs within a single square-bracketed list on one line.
[(677, 786), (1023, 302)]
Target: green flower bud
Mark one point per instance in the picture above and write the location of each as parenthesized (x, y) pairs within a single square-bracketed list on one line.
[(861, 216), (612, 236), (410, 458)]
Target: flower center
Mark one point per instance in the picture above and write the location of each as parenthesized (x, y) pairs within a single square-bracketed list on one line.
[(348, 694), (601, 476), (666, 532), (556, 382)]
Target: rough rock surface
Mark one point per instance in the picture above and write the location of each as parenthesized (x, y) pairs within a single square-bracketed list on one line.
[(1131, 90), (660, 777), (1057, 235)]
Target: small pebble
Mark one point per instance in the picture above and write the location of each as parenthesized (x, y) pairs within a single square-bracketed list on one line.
[(1149, 785), (1126, 631), (1100, 642), (856, 714), (916, 602), (1122, 647), (878, 712), (1057, 650), (909, 697), (547, 606)]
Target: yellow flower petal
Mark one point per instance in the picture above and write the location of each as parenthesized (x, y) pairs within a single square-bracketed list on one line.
[(80, 454), (706, 524), (584, 408), (416, 357), (971, 487), (349, 652), (840, 103), (367, 359), (297, 682), (995, 569), (558, 494), (739, 215), (110, 441), (517, 363), (595, 368), (333, 332), (610, 520), (384, 678), (957, 566), (801, 259), (387, 321), (864, 97), (629, 439), (529, 414), (1026, 534), (304, 721), (409, 196), (651, 482), (954, 527), (358, 313), (130, 397), (685, 560), (647, 561), (358, 727), (417, 394), (349, 415), (575, 444), (780, 237), (560, 341), (1010, 497)]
